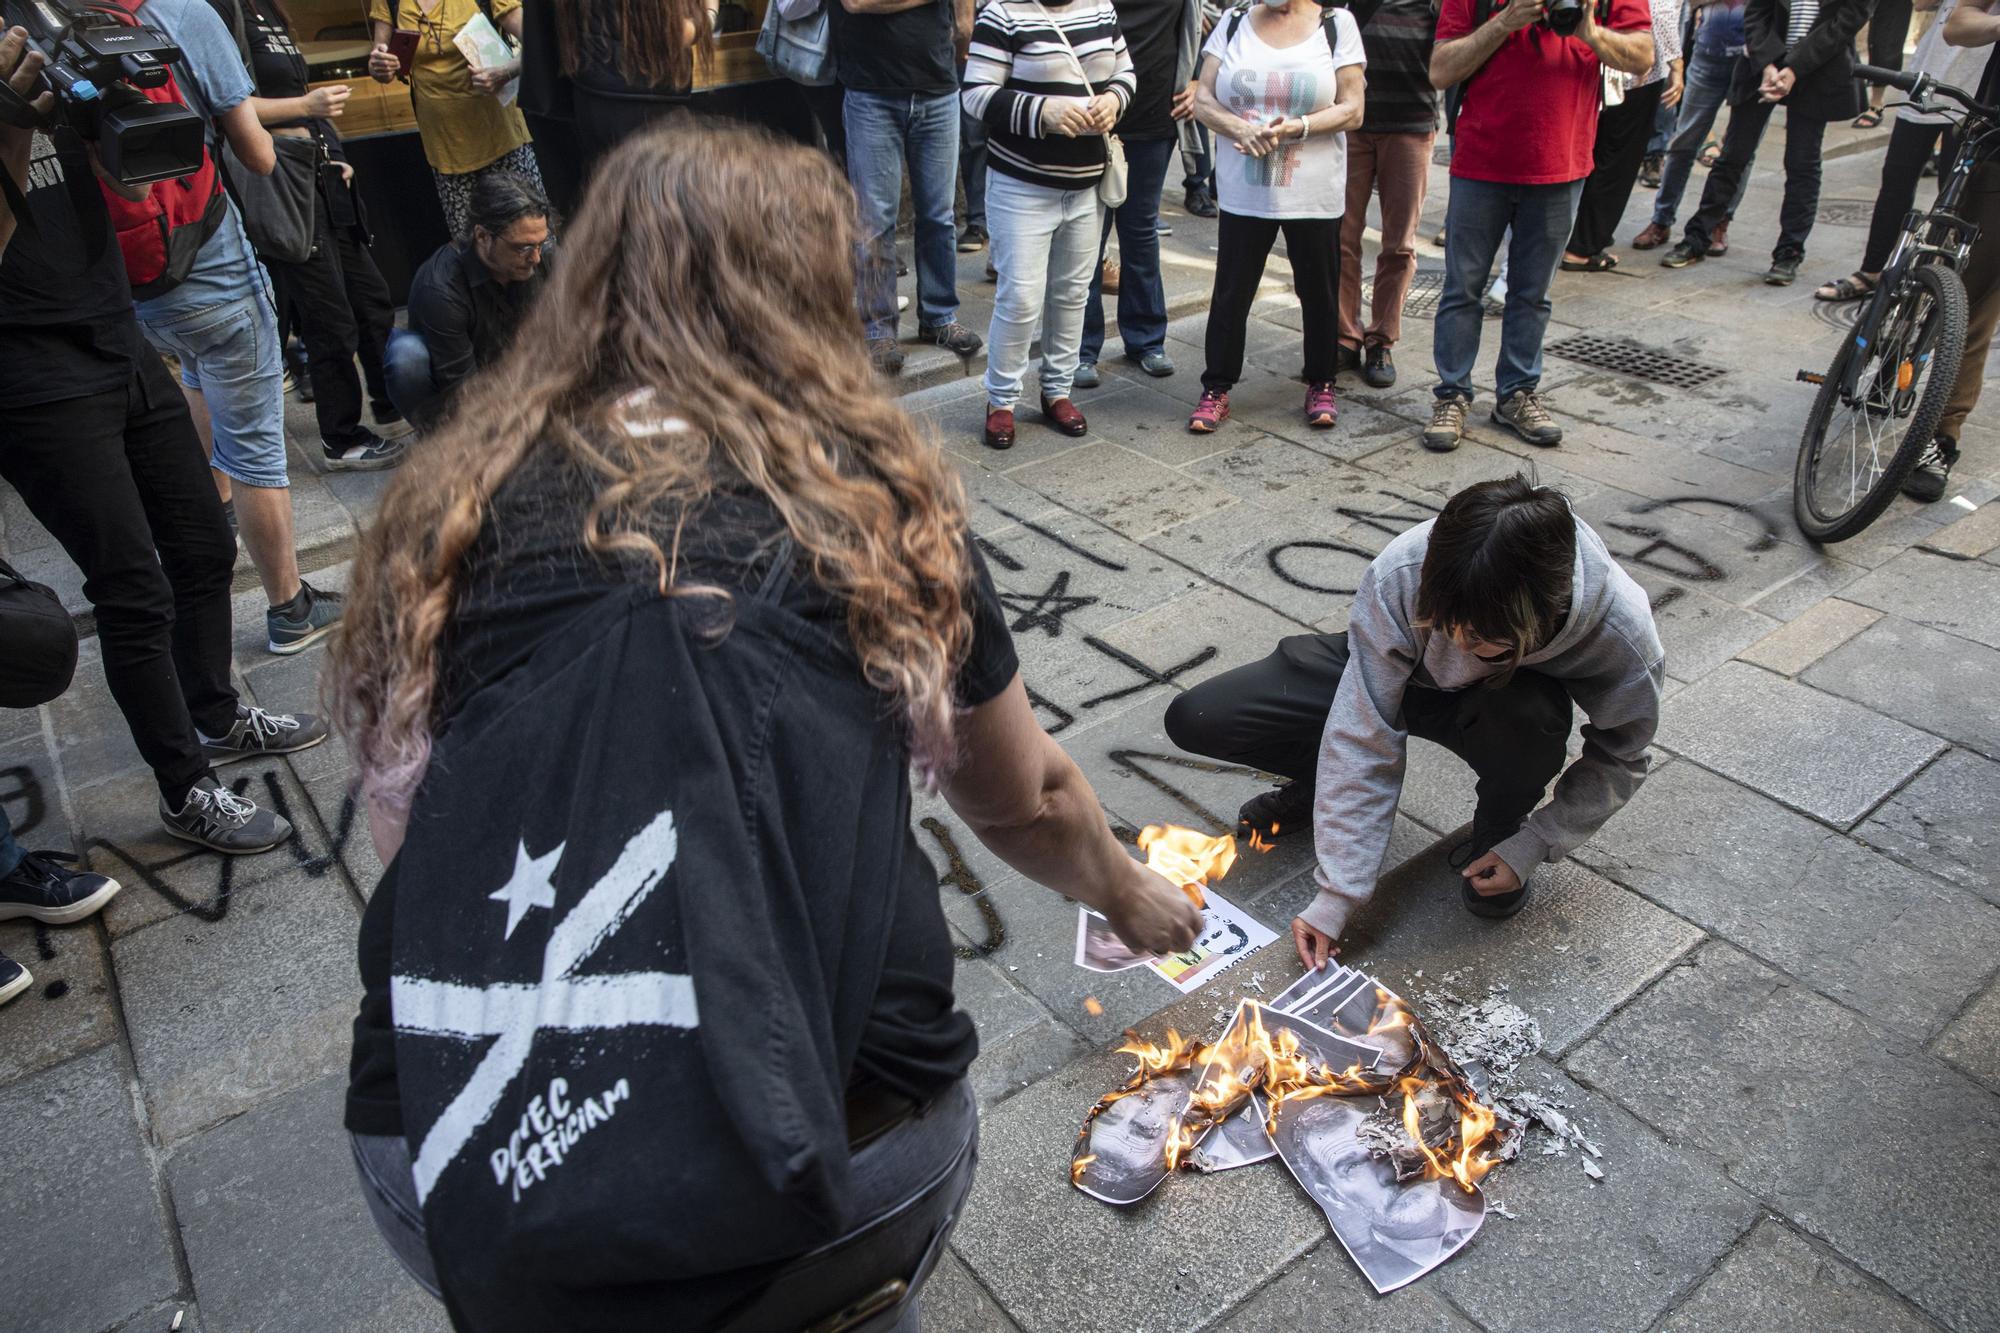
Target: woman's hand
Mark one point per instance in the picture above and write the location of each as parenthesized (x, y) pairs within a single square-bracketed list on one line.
[(1257, 138), (328, 102), (1152, 914), (1182, 107), (1066, 116), (1676, 85), (1103, 112), (382, 66), (494, 77)]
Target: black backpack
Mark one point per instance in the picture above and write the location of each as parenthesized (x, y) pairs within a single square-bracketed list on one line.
[(1326, 22)]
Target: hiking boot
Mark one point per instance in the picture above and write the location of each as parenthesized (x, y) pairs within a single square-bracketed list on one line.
[(1927, 481), (1155, 363), (222, 821), (1199, 202), (53, 894), (1322, 409), (256, 731), (1683, 254), (366, 452), (972, 239), (1482, 838), (1064, 416), (1447, 426), (999, 428), (1210, 412), (13, 978), (1783, 272), (1378, 367), (301, 622), (1524, 414), (953, 337), (1279, 812), (1650, 168), (1718, 241), (886, 355), (1651, 237), (1087, 376)]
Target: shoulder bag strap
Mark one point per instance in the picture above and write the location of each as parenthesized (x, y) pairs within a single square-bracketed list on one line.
[(1063, 37)]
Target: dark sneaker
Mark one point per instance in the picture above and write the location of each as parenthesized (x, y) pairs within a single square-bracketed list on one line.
[(999, 428), (972, 239), (1210, 412), (1927, 481), (1087, 376), (1481, 839), (367, 452), (1650, 169), (1065, 417), (1378, 367), (1447, 426), (53, 894), (1783, 272), (13, 978), (1200, 202), (1278, 813), (953, 337), (1155, 363), (1322, 407), (258, 732), (219, 819), (886, 355), (1524, 414), (1683, 254), (1651, 237), (303, 621)]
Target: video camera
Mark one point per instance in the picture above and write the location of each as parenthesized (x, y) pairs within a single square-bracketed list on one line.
[(98, 59)]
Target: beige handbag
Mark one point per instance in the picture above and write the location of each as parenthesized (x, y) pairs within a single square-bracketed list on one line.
[(1116, 182)]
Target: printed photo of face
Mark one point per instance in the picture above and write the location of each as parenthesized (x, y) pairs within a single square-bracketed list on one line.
[(1128, 1141)]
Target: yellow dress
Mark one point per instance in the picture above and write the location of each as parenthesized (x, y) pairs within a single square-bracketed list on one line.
[(462, 129)]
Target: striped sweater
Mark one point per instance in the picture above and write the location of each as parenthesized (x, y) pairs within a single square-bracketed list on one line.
[(1018, 62)]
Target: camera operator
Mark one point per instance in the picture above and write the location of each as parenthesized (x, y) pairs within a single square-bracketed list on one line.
[(1534, 79), (99, 445)]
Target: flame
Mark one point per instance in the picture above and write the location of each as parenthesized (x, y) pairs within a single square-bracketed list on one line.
[(1092, 1005), (1257, 843), (1079, 1166), (1189, 859)]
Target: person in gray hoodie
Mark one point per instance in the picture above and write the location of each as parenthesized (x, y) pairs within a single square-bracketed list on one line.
[(1479, 630)]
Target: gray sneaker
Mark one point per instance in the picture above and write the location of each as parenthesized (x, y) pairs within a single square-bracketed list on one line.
[(1447, 426), (258, 732), (219, 819), (1525, 415), (287, 632), (366, 452), (1087, 376)]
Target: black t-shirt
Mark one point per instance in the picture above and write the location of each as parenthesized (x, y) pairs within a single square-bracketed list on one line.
[(1152, 31), (276, 65), (908, 52), (532, 578), (66, 327)]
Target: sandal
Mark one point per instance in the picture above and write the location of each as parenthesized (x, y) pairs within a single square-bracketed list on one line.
[(1601, 262), (1868, 119), (1846, 289), (1710, 154)]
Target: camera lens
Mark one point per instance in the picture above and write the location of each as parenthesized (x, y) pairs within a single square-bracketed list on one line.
[(1564, 16)]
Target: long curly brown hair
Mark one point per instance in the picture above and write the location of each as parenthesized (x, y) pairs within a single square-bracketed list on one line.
[(698, 331)]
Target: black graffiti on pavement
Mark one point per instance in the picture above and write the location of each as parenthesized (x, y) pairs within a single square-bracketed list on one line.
[(27, 789), (1063, 718), (1131, 761), (998, 556), (1276, 557), (1150, 676), (1767, 535), (1393, 523), (960, 875), (1045, 610), (1101, 561)]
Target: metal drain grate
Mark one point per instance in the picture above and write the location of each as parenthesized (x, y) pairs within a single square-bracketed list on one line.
[(1425, 288), (1847, 212), (1641, 363)]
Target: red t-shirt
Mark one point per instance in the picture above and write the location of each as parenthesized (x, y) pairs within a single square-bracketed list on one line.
[(1530, 113)]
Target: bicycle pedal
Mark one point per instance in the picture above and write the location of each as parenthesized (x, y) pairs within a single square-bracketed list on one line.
[(1811, 377)]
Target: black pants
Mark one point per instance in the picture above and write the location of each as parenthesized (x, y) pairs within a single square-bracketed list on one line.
[(344, 309), (1803, 135), (1910, 146), (1622, 132), (1270, 714), (1242, 246), (119, 479)]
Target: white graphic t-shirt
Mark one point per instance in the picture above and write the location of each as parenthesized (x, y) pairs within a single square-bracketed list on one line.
[(1259, 82)]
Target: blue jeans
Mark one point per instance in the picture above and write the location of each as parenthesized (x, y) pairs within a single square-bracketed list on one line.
[(972, 165), (1708, 76), (883, 130), (229, 352), (10, 851), (1478, 215), (406, 367), (1142, 296)]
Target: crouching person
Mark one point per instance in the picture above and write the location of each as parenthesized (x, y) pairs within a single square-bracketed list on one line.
[(1477, 630)]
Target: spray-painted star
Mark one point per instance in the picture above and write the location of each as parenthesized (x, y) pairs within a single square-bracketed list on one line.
[(532, 885)]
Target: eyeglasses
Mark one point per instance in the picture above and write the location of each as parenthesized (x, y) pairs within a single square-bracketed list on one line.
[(532, 249)]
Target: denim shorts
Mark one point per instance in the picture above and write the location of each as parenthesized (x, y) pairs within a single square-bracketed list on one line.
[(229, 353)]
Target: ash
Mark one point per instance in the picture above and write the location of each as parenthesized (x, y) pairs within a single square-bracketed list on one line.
[(1494, 1033)]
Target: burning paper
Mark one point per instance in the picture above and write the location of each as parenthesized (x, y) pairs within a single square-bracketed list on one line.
[(1228, 935), (1189, 859), (1132, 1138)]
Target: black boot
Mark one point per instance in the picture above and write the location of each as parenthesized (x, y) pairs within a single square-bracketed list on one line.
[(1485, 835), (1278, 813)]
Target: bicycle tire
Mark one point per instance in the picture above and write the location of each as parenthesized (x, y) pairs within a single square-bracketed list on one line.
[(1947, 292)]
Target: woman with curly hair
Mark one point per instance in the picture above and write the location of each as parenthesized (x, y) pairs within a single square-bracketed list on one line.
[(678, 547)]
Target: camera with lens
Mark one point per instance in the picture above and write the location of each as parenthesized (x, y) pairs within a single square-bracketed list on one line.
[(99, 58), (1563, 16)]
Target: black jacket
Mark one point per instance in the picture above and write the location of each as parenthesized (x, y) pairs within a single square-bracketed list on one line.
[(1823, 59), (466, 318)]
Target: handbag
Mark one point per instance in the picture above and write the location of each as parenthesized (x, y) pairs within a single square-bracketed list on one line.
[(277, 209), (41, 642), (797, 42), (1116, 182)]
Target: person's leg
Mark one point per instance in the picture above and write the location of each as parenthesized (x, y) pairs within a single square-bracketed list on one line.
[(972, 168), (1092, 346), (1022, 219), (1241, 247), (1981, 274), (455, 197), (1747, 120), (1362, 150), (1707, 84), (1142, 293), (875, 170), (1402, 177), (1476, 215), (1911, 144), (1072, 255), (1803, 138), (374, 310), (1621, 143), (11, 851), (1313, 246), (407, 370), (318, 288), (1541, 221), (1514, 737), (933, 162), (1268, 714)]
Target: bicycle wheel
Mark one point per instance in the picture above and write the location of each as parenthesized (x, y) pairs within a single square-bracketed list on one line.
[(1858, 447)]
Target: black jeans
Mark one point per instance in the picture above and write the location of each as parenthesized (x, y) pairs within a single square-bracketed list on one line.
[(344, 309), (118, 478), (1910, 146), (1242, 246), (1803, 135), (1622, 132), (1270, 714)]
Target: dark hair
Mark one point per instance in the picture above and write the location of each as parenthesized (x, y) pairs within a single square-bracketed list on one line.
[(1501, 560), (502, 198)]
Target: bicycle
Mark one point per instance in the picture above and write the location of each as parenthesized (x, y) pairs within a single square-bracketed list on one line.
[(1896, 368)]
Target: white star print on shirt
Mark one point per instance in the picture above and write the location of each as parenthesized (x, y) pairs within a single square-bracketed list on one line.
[(532, 885)]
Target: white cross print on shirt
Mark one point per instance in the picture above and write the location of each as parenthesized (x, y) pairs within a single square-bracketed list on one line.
[(515, 1011)]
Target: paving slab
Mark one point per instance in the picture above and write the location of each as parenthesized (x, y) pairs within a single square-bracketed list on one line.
[(1969, 537), (1326, 1282), (225, 1013), (1891, 942), (954, 1302), (87, 1233), (1125, 491), (1779, 1282), (1006, 1066), (1216, 623), (1947, 821), (1960, 597), (1832, 759), (1810, 636), (1699, 632), (256, 1196), (90, 733), (69, 1010), (1932, 680), (31, 794), (1726, 1056), (1972, 1042), (1061, 573)]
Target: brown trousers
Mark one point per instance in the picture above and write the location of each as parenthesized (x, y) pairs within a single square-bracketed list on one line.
[(1982, 289), (1397, 167)]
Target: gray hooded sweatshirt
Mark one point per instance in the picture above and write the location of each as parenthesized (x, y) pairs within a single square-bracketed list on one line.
[(1607, 655)]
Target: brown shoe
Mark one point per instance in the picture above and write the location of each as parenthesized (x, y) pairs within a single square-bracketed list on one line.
[(1065, 417), (1652, 238), (1718, 240), (999, 428), (1109, 272)]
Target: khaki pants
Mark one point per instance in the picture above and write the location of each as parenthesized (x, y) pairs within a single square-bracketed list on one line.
[(1982, 290), (1396, 166)]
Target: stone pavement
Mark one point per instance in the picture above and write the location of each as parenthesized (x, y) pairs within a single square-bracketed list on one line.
[(1767, 987)]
